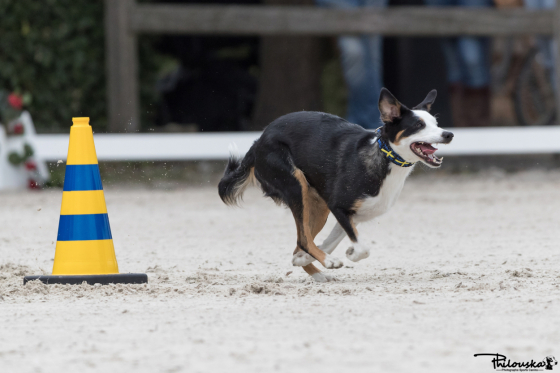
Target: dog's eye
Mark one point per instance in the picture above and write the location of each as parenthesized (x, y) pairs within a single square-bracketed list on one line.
[(418, 124)]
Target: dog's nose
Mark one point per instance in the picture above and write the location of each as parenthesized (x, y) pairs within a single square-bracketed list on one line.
[(447, 136)]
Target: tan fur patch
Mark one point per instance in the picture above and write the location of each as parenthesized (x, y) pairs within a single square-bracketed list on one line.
[(398, 137), (318, 217), (318, 211), (239, 189), (354, 228), (357, 205), (315, 213), (311, 269)]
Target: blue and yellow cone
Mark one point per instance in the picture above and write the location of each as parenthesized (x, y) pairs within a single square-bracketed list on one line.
[(84, 247)]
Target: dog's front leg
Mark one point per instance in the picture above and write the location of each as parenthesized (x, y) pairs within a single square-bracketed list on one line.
[(335, 237), (357, 251)]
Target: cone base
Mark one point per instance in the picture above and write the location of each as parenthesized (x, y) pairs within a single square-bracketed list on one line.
[(117, 278)]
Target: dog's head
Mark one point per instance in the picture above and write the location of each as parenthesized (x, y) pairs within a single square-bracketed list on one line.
[(551, 361), (412, 133)]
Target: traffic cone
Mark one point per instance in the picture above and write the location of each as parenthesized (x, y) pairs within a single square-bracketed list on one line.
[(84, 247)]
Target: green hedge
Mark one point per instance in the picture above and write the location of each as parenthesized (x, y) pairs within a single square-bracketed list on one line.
[(54, 49)]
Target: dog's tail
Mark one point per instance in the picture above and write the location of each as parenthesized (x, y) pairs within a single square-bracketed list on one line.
[(239, 174)]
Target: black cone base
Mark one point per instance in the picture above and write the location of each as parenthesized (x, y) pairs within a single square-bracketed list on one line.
[(118, 278)]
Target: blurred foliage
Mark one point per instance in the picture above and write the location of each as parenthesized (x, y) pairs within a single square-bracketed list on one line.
[(333, 87), (55, 50), (57, 171)]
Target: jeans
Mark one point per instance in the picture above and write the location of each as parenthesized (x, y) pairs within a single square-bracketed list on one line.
[(539, 4), (362, 65), (466, 57)]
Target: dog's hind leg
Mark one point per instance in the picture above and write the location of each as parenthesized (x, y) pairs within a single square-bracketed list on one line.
[(317, 275), (314, 215), (331, 242), (318, 214), (283, 181)]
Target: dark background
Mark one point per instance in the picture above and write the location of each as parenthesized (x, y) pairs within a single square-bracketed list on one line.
[(55, 51)]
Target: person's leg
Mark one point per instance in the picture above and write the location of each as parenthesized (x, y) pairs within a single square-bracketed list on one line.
[(356, 68), (539, 4), (363, 71), (339, 3), (374, 48), (474, 52), (361, 58), (440, 2), (449, 48), (475, 57), (455, 78), (374, 54), (454, 69)]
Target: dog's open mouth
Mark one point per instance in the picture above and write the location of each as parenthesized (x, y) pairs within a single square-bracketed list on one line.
[(427, 152)]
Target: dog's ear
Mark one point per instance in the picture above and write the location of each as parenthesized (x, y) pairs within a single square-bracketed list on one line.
[(389, 107), (426, 105)]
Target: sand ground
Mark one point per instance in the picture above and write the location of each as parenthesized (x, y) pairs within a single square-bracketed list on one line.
[(461, 265)]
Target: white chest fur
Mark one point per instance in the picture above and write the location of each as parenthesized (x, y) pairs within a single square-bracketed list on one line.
[(391, 188)]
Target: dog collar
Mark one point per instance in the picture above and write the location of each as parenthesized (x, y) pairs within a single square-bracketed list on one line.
[(389, 152)]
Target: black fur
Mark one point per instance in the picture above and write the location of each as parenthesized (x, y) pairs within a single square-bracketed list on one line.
[(337, 158), (235, 177)]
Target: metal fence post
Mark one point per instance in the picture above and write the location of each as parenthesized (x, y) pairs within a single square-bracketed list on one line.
[(122, 67)]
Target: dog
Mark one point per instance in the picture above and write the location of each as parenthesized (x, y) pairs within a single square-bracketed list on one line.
[(317, 163), (550, 362)]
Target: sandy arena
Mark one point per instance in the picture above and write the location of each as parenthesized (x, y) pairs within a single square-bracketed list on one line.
[(461, 265)]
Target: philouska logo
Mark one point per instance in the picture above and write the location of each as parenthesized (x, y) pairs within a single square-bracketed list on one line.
[(502, 363)]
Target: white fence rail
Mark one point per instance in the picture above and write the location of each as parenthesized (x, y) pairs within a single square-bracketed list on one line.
[(214, 146)]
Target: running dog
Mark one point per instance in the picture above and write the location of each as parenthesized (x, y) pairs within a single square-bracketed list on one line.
[(550, 362), (316, 163)]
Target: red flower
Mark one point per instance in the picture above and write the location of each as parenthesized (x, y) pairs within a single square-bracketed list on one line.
[(15, 101), (30, 166), (18, 128), (33, 184)]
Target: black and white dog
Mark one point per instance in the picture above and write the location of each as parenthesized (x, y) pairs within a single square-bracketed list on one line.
[(316, 163)]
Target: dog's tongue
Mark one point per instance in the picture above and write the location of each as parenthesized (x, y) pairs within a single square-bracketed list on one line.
[(427, 148)]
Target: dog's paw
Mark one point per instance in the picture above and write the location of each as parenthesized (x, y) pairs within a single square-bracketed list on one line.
[(357, 252), (332, 262), (322, 277), (301, 259)]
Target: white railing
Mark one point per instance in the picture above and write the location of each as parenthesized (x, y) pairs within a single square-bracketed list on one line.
[(214, 146)]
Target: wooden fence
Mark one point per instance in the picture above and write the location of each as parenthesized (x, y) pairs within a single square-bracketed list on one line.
[(125, 19)]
